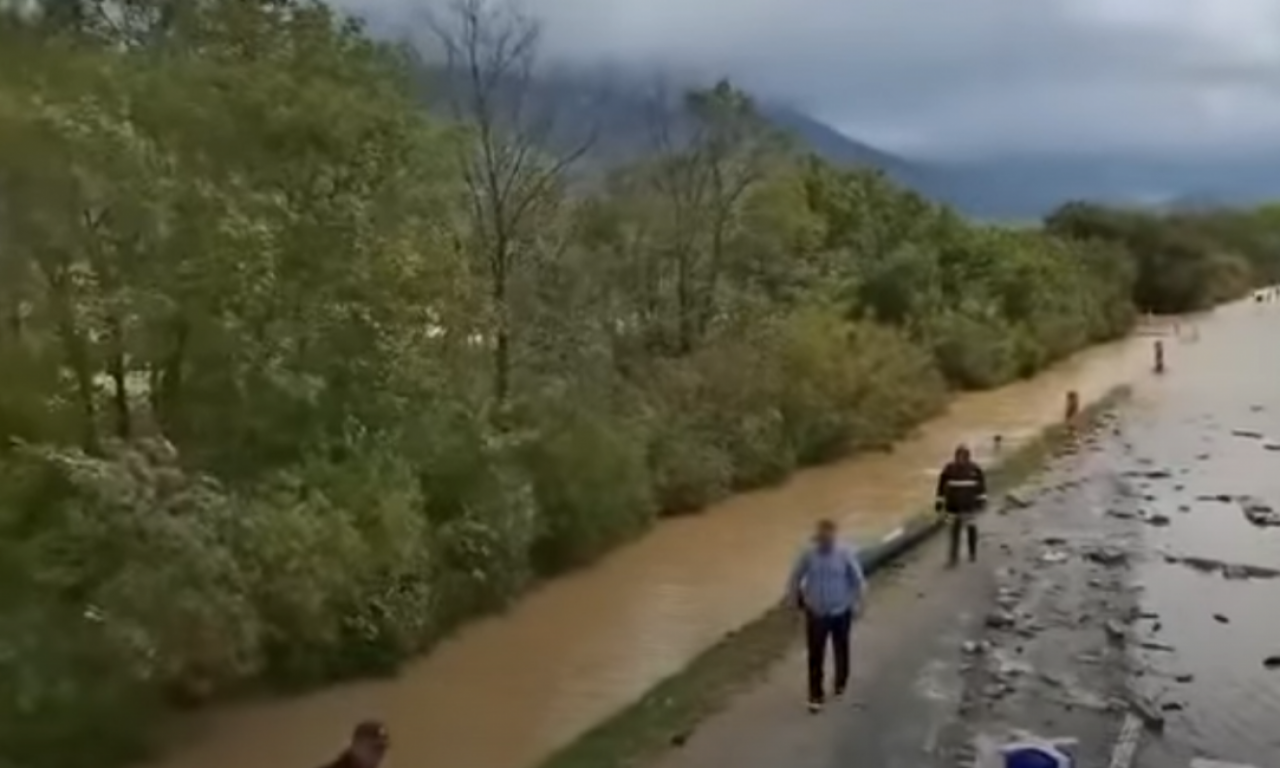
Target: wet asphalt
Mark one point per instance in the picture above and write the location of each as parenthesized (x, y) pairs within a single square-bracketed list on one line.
[(1211, 648)]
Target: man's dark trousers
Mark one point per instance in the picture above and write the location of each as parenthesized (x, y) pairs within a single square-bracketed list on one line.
[(959, 522), (818, 630)]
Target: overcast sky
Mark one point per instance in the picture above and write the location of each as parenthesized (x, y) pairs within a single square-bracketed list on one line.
[(962, 77)]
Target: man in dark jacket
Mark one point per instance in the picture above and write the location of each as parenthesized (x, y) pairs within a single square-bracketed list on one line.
[(369, 743), (962, 494)]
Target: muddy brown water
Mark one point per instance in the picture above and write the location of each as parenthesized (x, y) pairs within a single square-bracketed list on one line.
[(1213, 424), (506, 691)]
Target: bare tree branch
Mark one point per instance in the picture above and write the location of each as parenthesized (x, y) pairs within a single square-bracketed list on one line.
[(511, 165)]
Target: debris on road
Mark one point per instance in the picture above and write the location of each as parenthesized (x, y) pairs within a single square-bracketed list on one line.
[(1231, 571), (1147, 711), (1155, 474), (1108, 556), (1017, 500), (1115, 630), (1051, 556), (1225, 498), (1259, 512), (1001, 620)]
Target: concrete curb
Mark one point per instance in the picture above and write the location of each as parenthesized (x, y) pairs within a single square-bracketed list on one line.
[(898, 542)]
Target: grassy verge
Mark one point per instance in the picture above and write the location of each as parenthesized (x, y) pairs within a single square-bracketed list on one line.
[(669, 712)]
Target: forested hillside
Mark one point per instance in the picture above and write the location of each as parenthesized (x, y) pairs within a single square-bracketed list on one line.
[(298, 376)]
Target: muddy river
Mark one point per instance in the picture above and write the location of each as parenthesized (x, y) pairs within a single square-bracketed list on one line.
[(507, 690)]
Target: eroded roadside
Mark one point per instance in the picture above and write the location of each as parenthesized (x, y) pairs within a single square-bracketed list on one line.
[(1031, 639)]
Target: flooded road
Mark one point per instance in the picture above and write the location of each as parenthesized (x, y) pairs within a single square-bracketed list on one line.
[(1214, 427), (506, 691)]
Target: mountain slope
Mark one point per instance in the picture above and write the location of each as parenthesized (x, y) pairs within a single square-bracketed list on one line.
[(619, 118), (834, 146), (619, 113)]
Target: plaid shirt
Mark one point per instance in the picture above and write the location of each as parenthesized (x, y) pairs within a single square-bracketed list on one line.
[(827, 583)]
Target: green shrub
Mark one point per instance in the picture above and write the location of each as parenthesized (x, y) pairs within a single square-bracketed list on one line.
[(67, 685), (688, 465), (974, 350), (591, 486), (140, 541)]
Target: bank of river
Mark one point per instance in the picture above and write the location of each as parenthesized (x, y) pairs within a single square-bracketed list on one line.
[(507, 690)]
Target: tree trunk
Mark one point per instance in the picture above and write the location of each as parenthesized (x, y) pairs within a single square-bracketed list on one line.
[(502, 333), (76, 353), (117, 369)]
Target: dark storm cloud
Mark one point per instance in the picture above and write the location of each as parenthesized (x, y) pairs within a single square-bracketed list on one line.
[(960, 75)]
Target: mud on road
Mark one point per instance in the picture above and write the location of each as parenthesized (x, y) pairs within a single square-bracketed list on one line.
[(1030, 640)]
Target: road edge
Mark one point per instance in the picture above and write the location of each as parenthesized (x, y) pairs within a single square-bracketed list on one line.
[(666, 714)]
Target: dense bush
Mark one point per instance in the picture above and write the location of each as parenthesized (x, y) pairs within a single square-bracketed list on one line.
[(1185, 260), (290, 390)]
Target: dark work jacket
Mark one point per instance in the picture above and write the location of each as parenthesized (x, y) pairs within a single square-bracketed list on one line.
[(344, 760), (962, 488)]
